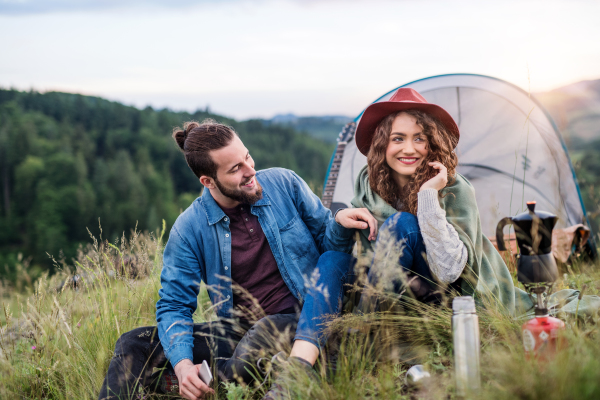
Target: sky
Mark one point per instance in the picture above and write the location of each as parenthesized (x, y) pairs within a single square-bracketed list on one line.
[(259, 58)]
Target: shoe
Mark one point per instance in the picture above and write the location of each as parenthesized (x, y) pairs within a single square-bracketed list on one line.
[(279, 365), (265, 364)]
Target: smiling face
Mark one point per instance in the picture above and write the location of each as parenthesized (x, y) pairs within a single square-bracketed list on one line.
[(235, 181), (407, 148)]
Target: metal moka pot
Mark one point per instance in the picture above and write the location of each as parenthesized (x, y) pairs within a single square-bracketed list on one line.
[(537, 271), (533, 229)]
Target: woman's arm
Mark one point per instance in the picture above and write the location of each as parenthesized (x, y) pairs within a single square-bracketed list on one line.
[(446, 253)]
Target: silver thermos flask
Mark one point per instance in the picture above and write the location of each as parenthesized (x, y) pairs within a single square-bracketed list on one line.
[(465, 337)]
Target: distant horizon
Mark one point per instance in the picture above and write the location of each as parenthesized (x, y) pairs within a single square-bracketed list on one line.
[(258, 58), (227, 115)]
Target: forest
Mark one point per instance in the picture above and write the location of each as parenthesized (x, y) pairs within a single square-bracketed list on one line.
[(72, 164), (585, 156), (69, 163)]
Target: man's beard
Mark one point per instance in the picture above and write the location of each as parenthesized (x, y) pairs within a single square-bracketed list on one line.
[(240, 195)]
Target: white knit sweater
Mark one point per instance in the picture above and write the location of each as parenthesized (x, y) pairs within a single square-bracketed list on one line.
[(446, 253)]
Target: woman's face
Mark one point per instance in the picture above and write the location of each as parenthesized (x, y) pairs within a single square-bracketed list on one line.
[(407, 148)]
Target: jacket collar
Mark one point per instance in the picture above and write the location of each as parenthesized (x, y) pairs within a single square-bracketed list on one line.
[(364, 196), (215, 214)]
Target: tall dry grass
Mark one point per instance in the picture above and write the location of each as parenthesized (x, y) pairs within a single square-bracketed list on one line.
[(57, 338)]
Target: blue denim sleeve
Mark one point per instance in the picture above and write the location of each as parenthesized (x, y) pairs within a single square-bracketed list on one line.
[(180, 281), (328, 234)]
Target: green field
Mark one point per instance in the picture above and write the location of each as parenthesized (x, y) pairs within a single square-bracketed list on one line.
[(57, 339)]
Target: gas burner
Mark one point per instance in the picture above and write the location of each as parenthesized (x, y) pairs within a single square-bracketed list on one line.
[(541, 290)]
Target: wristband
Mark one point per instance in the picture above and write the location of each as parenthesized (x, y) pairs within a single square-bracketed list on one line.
[(335, 215)]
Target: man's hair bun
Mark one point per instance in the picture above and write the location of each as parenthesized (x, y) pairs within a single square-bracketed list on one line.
[(197, 140), (180, 134)]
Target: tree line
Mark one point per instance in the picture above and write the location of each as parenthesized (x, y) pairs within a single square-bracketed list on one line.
[(586, 160), (67, 161)]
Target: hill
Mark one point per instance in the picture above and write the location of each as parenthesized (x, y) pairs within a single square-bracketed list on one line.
[(325, 127), (67, 161), (576, 110)]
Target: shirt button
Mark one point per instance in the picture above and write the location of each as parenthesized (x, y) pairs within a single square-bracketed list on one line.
[(251, 230), (246, 219), (227, 235), (226, 268), (225, 218)]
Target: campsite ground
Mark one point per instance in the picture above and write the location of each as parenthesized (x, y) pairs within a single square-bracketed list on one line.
[(56, 344)]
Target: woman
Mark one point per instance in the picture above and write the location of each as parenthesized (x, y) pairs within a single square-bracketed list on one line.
[(411, 187)]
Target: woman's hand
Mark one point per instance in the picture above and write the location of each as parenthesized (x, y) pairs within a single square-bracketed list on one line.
[(439, 181)]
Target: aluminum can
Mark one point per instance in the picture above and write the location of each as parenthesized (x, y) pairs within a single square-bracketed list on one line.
[(465, 337), (416, 375)]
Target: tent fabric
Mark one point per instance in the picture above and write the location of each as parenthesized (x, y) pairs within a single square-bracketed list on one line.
[(509, 149)]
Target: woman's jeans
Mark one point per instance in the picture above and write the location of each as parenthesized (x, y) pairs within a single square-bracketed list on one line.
[(337, 275), (333, 278), (400, 263)]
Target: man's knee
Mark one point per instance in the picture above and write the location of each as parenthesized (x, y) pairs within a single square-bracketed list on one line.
[(267, 336), (135, 340), (274, 325)]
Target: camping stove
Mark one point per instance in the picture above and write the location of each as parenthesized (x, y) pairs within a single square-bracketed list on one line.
[(537, 271), (540, 334)]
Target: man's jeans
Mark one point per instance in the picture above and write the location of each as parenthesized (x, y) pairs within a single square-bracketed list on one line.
[(232, 350)]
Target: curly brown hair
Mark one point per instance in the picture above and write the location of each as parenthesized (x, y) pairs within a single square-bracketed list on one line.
[(440, 144)]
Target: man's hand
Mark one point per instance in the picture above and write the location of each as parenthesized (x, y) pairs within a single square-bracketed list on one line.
[(191, 386), (439, 181), (357, 218)]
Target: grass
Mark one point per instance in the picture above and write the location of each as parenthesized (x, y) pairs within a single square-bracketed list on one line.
[(57, 338)]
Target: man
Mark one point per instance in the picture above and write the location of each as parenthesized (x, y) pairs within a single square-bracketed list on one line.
[(262, 231)]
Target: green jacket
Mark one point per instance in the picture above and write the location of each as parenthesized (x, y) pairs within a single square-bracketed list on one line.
[(485, 274)]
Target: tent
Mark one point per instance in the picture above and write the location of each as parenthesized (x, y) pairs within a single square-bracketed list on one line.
[(509, 149)]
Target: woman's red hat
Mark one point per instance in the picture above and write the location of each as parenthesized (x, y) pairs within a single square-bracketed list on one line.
[(403, 99)]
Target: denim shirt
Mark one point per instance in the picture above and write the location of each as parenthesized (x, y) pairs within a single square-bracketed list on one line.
[(298, 229)]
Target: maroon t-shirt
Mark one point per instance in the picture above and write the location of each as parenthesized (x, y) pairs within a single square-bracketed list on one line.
[(254, 268)]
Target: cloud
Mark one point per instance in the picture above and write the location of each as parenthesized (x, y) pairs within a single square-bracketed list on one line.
[(261, 57), (28, 7), (20, 7)]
